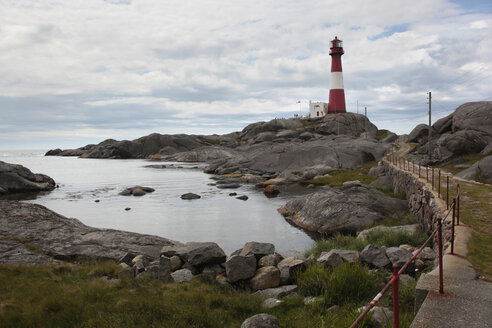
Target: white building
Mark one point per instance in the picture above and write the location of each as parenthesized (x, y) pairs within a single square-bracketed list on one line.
[(317, 109)]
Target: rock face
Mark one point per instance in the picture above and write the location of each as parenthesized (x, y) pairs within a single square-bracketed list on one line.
[(266, 277), (467, 130), (341, 209), (16, 178), (480, 171), (61, 238), (375, 257), (240, 267)]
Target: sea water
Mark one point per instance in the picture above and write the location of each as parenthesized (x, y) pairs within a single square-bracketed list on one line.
[(216, 216)]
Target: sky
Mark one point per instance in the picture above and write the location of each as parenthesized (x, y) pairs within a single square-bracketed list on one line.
[(81, 71)]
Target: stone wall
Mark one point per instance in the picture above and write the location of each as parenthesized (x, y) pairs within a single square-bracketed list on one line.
[(421, 201)]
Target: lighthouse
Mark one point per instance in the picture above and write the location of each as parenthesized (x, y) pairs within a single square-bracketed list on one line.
[(337, 95)]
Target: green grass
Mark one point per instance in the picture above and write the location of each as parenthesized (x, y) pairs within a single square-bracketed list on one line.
[(209, 141), (77, 296), (381, 134), (475, 211), (388, 191), (392, 221), (379, 238), (338, 177)]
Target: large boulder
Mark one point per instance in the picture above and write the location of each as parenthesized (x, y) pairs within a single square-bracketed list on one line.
[(480, 171), (375, 256), (62, 238), (474, 116), (342, 209), (262, 320), (462, 142), (196, 254), (16, 178), (347, 123), (444, 124), (289, 268), (420, 134), (257, 249), (274, 125), (240, 267), (265, 277)]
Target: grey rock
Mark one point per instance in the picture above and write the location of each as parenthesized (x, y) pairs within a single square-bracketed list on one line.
[(228, 185), (175, 263), (329, 259), (376, 170), (309, 300), (461, 142), (197, 254), (391, 137), (473, 116), (136, 191), (410, 229), (278, 292), (289, 268), (374, 256), (399, 256), (382, 317), (127, 258), (213, 270), (190, 195), (270, 259), (420, 134), (266, 277), (341, 209), (164, 272), (480, 171), (16, 178), (271, 303), (242, 197), (444, 124), (257, 249), (261, 320), (182, 275), (64, 238), (427, 254), (240, 268), (346, 255)]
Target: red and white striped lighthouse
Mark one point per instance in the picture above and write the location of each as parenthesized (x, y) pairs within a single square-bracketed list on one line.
[(337, 95)]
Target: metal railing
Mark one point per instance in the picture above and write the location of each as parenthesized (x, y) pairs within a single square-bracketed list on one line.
[(454, 209)]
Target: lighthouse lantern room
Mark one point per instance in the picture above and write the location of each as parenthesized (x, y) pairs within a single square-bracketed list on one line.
[(337, 95)]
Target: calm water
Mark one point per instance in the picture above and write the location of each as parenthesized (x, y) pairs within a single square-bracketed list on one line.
[(215, 217)]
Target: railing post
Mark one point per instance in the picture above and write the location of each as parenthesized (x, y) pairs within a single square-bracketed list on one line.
[(452, 226), (432, 173), (458, 205), (447, 192), (439, 185), (439, 243), (427, 174), (413, 166), (396, 305), (419, 169)]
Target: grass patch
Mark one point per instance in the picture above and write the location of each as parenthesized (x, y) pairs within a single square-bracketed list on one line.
[(338, 177), (392, 221), (381, 134), (209, 141), (76, 296), (379, 238), (388, 191), (475, 211), (468, 159)]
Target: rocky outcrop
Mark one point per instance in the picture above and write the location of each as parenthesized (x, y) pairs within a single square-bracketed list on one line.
[(331, 152), (468, 130), (341, 209), (262, 320), (61, 238), (16, 178), (480, 171)]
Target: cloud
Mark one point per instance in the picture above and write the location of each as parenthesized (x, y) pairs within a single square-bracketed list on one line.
[(214, 66)]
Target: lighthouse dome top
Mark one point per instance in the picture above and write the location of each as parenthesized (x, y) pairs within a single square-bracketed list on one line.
[(336, 43)]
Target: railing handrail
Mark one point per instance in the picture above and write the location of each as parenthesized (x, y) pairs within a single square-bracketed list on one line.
[(396, 274)]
